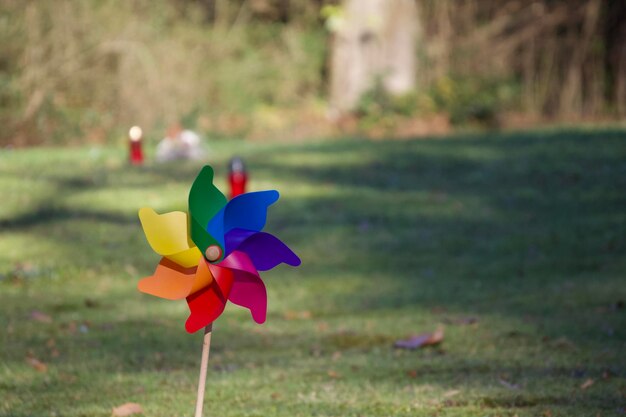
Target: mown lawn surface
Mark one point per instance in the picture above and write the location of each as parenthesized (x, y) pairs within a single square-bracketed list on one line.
[(526, 233)]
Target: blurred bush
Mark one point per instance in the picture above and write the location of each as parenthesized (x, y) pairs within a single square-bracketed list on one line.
[(475, 99), (466, 100), (85, 70)]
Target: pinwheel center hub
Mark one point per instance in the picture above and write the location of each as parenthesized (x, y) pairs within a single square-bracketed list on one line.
[(213, 253)]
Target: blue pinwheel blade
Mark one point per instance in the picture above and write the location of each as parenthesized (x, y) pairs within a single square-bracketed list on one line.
[(246, 211)]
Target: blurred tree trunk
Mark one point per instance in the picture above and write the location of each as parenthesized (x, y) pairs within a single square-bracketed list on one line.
[(209, 10), (615, 36), (374, 40), (572, 96)]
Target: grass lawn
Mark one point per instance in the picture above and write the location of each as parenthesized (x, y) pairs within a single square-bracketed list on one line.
[(525, 233)]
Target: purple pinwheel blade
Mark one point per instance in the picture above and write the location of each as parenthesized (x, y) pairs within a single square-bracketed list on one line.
[(265, 250), (236, 237)]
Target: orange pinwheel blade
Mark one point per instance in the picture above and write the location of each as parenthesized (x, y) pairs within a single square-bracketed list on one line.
[(170, 281), (203, 277)]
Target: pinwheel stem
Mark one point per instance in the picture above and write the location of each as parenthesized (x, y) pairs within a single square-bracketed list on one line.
[(204, 364)]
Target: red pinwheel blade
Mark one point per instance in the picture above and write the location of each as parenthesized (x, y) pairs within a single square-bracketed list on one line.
[(207, 304)]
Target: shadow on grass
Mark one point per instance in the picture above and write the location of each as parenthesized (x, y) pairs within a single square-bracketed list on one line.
[(493, 213), (45, 215)]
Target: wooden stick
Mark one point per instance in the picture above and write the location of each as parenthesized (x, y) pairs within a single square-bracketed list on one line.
[(204, 364)]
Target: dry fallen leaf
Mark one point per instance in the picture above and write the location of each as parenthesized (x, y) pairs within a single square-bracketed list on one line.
[(608, 373), (451, 393), (589, 382), (438, 310), (127, 410), (39, 316), (69, 378), (297, 315), (91, 303), (333, 374), (322, 326), (131, 270), (421, 340), (71, 327), (37, 364), (563, 343), (461, 321), (508, 384)]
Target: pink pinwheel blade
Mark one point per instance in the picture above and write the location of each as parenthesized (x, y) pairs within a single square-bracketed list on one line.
[(248, 289), (249, 292)]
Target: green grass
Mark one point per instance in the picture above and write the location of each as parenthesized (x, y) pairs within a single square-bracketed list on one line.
[(525, 232)]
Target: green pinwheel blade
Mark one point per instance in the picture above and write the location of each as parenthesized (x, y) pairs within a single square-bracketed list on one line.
[(205, 201)]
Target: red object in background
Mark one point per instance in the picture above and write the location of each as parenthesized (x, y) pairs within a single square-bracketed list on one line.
[(135, 152), (237, 177)]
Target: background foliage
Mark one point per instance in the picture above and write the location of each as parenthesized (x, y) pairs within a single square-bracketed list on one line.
[(86, 70)]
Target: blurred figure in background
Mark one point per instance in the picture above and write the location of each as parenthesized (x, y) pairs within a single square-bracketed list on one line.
[(180, 144)]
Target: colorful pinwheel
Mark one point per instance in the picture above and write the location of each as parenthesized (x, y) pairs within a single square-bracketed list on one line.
[(214, 254)]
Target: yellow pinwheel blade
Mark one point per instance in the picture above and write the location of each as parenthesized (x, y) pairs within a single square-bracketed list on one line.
[(187, 258), (168, 235)]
